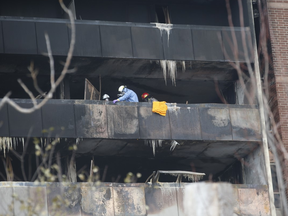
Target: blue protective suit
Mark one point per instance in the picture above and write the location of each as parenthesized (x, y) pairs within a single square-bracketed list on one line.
[(129, 96)]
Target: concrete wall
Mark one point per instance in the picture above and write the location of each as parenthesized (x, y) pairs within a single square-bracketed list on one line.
[(278, 13), (111, 199), (254, 168)]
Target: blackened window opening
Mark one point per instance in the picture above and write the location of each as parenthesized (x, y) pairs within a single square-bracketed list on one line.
[(162, 14)]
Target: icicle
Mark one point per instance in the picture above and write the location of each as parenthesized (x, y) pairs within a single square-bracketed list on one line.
[(164, 27), (163, 66), (23, 143), (171, 68), (10, 141), (154, 144), (183, 66), (174, 143), (172, 71), (4, 145)]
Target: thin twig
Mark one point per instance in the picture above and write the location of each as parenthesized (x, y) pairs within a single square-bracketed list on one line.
[(59, 167), (49, 95), (51, 61), (27, 91), (34, 74)]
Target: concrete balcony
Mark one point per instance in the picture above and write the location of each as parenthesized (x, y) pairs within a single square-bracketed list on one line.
[(123, 40), (211, 136), (105, 120)]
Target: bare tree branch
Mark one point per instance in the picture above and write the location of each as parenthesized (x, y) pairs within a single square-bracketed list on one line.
[(64, 71), (27, 91), (34, 74), (51, 61)]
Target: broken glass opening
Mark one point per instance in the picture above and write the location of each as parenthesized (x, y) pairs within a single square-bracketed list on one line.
[(162, 14)]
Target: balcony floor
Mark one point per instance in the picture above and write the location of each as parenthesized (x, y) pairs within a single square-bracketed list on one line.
[(210, 157)]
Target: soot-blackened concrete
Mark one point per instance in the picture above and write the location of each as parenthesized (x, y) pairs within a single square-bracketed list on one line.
[(129, 120), (122, 40)]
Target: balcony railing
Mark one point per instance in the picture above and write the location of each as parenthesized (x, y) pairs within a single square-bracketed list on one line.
[(125, 40), (99, 119)]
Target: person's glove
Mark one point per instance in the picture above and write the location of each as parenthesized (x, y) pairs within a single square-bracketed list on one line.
[(115, 101)]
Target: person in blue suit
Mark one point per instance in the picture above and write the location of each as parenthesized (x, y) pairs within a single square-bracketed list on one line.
[(128, 95)]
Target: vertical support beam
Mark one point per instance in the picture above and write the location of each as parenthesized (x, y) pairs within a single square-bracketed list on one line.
[(64, 89), (264, 131), (262, 118), (61, 92), (67, 88)]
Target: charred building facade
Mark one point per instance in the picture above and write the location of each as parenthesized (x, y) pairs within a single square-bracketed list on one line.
[(183, 52)]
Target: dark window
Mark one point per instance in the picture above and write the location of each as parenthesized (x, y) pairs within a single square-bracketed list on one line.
[(277, 201), (277, 197), (162, 14), (274, 178)]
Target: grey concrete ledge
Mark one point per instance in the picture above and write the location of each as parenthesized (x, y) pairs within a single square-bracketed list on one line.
[(124, 120), (93, 39)]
